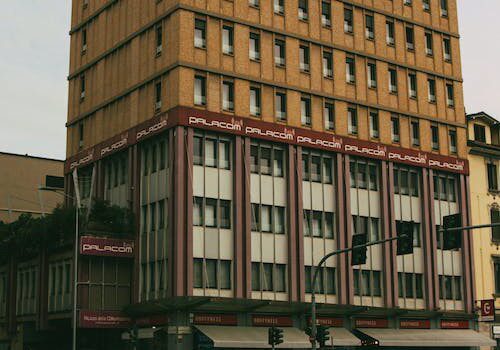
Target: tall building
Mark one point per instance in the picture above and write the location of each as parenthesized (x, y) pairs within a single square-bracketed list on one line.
[(484, 157), (250, 138), (21, 176)]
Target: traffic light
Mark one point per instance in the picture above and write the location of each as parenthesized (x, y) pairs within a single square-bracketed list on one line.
[(358, 254), (275, 336), (405, 237), (452, 239), (322, 335)]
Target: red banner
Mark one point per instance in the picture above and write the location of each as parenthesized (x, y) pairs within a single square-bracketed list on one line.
[(269, 320), (101, 246), (215, 319), (371, 323), (267, 131), (328, 321), (156, 320), (415, 324), (103, 319), (455, 324)]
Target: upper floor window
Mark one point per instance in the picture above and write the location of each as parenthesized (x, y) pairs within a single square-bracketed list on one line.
[(318, 224), (325, 283), (364, 175), (254, 50), (329, 115), (279, 52), (326, 13), (350, 70), (348, 20), (406, 181), (410, 285), (228, 95), (317, 167), (255, 104), (496, 268), (408, 2), (268, 277), (82, 86), (267, 160), (84, 40), (280, 105), (415, 133), (431, 83), (211, 212), (211, 151), (426, 5), (447, 49), (200, 33), (212, 274), (389, 28), (412, 85), (445, 188), (410, 38), (352, 120), (453, 141), (395, 133), (158, 96), (369, 26), (367, 283), (303, 11), (393, 80), (159, 39), (327, 64), (305, 110), (374, 125), (372, 75), (435, 137), (200, 90), (492, 177), (495, 219), (479, 133), (429, 44), (304, 58), (450, 95), (254, 3), (444, 8), (227, 39), (268, 218), (279, 7)]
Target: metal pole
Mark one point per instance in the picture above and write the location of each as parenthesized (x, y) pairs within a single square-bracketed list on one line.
[(75, 279)]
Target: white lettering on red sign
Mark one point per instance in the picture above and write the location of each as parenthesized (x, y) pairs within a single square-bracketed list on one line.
[(88, 158), (234, 125), (376, 152), (114, 146), (420, 159), (333, 144), (458, 166), (107, 248), (158, 126)]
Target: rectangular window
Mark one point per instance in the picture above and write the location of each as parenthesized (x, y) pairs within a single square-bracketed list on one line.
[(307, 223), (315, 168), (492, 177), (479, 133), (450, 95), (303, 10), (435, 137), (326, 13), (280, 278), (200, 90), (210, 152), (227, 39), (84, 40), (256, 276), (431, 83), (254, 49), (225, 274), (255, 106), (327, 64), (198, 273), (412, 85), (211, 274), (267, 277), (426, 5), (210, 212), (372, 75), (415, 133), (410, 38), (278, 162), (279, 7), (255, 217), (393, 80), (254, 3), (280, 104), (444, 8), (350, 70), (408, 2), (265, 215), (279, 52), (374, 126), (429, 44), (395, 135), (200, 34), (369, 27), (225, 214), (305, 110), (447, 49), (82, 87), (348, 20), (279, 220), (495, 230), (159, 39), (496, 265), (352, 120), (329, 116), (317, 224), (453, 141), (304, 58), (228, 95), (158, 93), (389, 28)]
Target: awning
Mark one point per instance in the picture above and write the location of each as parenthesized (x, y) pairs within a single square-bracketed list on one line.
[(253, 337), (342, 337), (428, 337)]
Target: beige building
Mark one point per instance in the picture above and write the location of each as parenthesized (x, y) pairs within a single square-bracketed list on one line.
[(20, 178), (484, 158)]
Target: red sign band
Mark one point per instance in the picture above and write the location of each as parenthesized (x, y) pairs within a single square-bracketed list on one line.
[(269, 320), (103, 319), (202, 119), (415, 324), (328, 321), (455, 324), (371, 323), (215, 319), (100, 246)]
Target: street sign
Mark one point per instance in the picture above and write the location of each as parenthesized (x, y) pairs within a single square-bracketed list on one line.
[(488, 310)]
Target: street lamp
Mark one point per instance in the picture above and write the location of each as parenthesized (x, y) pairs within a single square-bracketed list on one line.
[(75, 263)]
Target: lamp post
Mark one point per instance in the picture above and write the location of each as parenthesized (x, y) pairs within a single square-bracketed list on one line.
[(75, 262)]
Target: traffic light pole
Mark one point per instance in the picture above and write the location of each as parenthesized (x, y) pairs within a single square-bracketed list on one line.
[(315, 277)]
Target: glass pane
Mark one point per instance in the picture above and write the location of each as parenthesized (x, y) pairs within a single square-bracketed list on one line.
[(278, 162), (266, 218), (267, 277), (224, 154), (280, 278), (327, 170), (210, 153), (211, 212), (328, 225), (256, 276), (279, 220), (225, 274), (265, 160), (211, 271)]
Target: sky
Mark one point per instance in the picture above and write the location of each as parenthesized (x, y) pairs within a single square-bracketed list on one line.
[(34, 49)]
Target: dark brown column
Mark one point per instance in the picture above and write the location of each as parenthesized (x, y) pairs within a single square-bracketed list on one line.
[(472, 284), (391, 228), (12, 296), (348, 230), (388, 255), (296, 237), (179, 213), (433, 237), (247, 233), (43, 287), (342, 273), (100, 177), (189, 212), (134, 198), (428, 247), (466, 249), (171, 214), (239, 213)]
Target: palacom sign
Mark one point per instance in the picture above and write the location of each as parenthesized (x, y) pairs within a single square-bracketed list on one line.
[(101, 246)]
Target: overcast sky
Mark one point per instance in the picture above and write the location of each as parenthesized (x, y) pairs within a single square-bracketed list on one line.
[(34, 46)]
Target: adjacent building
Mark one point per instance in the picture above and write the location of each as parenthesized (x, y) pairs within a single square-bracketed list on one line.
[(250, 138), (484, 157), (21, 176)]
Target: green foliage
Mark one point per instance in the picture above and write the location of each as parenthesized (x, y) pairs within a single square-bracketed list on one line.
[(26, 236)]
